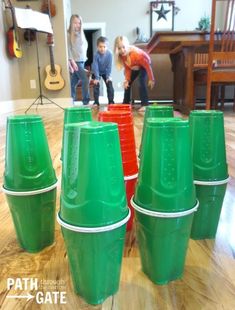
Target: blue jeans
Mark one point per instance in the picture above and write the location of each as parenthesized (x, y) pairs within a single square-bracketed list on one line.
[(143, 92), (110, 90), (75, 77)]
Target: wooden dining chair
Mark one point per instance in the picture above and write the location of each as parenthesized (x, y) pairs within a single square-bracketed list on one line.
[(217, 67)]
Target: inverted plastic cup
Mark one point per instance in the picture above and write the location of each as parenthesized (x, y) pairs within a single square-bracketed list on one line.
[(95, 257), (127, 155), (75, 115), (117, 116), (163, 242), (130, 183), (33, 214), (124, 120), (93, 192), (28, 164), (165, 181), (206, 219), (158, 111), (208, 145), (153, 111), (124, 127), (119, 107)]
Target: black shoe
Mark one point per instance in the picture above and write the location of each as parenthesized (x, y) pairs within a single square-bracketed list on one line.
[(96, 105)]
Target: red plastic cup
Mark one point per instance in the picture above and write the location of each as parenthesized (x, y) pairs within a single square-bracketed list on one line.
[(119, 107), (124, 127), (131, 167), (127, 147), (125, 131), (124, 121), (130, 183), (122, 118), (127, 156)]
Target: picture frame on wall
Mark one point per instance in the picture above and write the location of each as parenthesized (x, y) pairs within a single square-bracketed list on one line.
[(161, 16)]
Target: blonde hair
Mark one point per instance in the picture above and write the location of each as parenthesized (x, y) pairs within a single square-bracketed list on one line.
[(117, 42), (71, 31)]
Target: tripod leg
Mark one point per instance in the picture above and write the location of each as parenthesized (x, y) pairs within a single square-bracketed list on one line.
[(40, 101), (51, 101), (32, 104)]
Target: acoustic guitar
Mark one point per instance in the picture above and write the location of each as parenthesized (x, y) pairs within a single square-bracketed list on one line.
[(13, 45), (54, 80), (49, 8)]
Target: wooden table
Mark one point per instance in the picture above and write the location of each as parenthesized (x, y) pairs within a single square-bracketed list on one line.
[(181, 47)]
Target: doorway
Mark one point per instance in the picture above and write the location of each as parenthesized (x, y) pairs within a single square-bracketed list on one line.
[(92, 32), (90, 35)]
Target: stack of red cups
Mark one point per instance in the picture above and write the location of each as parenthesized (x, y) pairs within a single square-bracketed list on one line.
[(119, 107), (124, 121)]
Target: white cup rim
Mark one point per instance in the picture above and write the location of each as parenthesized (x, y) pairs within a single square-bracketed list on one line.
[(93, 229), (163, 214), (212, 183), (30, 193), (131, 177)]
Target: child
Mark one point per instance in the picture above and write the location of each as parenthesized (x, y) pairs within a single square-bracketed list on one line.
[(136, 63), (101, 67), (77, 49)]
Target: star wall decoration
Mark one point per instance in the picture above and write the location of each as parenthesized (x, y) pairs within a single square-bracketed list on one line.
[(162, 13), (161, 16)]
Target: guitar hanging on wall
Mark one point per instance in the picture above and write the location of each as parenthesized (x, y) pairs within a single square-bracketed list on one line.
[(49, 8), (54, 80), (13, 45)]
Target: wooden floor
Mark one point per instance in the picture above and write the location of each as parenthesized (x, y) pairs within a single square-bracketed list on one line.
[(209, 277)]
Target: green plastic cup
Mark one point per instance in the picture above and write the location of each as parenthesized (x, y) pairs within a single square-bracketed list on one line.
[(165, 181), (158, 111), (153, 111), (163, 242), (75, 115), (33, 215), (28, 164), (206, 219), (93, 191), (95, 257), (208, 145)]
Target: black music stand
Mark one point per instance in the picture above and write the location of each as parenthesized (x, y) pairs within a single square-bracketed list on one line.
[(38, 22), (39, 100)]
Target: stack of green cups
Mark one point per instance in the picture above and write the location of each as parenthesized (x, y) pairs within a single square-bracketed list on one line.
[(153, 111), (30, 182), (210, 170), (164, 199), (75, 115), (93, 212)]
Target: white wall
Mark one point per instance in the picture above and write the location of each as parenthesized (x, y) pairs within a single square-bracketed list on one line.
[(190, 13), (67, 12)]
